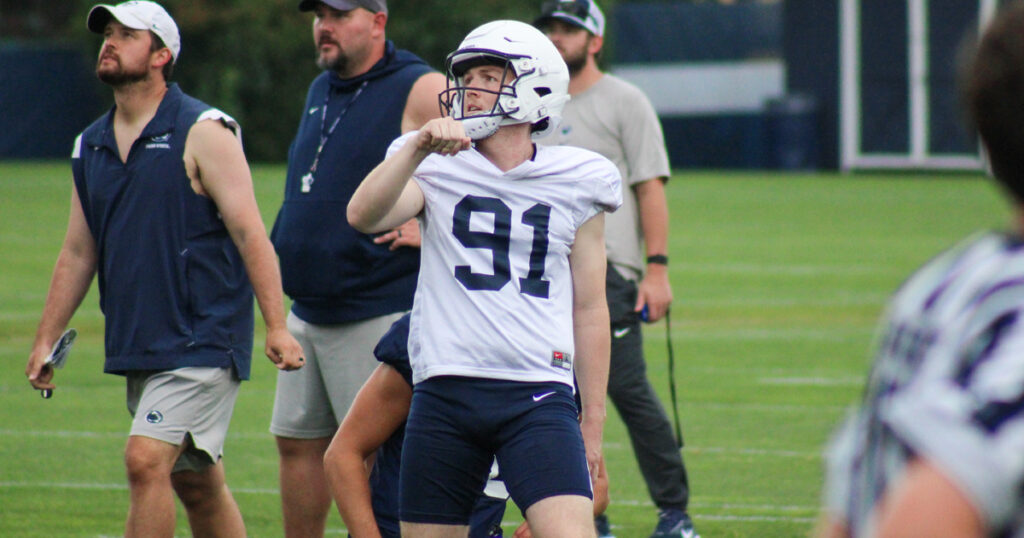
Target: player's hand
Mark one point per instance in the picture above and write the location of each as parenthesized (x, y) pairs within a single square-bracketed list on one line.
[(600, 485), (40, 374), (284, 350), (444, 136), (523, 531), (593, 431), (406, 235), (655, 292)]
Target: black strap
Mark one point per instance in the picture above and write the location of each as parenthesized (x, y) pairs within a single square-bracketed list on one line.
[(672, 378)]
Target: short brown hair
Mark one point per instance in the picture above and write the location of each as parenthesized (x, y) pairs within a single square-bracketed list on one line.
[(156, 44), (992, 89)]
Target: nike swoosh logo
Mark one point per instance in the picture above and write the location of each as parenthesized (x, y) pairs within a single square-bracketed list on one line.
[(619, 333), (539, 397)]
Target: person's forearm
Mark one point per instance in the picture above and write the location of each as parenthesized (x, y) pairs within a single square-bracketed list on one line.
[(264, 275), (350, 487), (72, 276), (593, 348), (370, 208), (653, 209)]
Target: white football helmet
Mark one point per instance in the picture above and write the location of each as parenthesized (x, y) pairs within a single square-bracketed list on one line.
[(536, 95)]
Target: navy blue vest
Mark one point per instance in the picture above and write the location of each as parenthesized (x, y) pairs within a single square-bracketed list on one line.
[(333, 273), (173, 287)]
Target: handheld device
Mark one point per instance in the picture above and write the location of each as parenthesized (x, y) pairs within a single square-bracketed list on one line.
[(59, 355)]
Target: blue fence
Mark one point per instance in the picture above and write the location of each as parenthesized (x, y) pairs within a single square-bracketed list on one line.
[(47, 96), (716, 75)]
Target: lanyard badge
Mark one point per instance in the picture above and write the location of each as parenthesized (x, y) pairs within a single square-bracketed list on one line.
[(307, 180)]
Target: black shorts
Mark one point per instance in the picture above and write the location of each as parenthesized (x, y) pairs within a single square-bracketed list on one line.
[(457, 425)]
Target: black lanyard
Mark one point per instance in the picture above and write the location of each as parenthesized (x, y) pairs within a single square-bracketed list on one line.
[(307, 180)]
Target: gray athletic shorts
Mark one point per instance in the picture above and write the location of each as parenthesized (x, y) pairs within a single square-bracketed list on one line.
[(311, 401), (195, 402)]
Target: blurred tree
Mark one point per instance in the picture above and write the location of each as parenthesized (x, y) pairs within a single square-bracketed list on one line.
[(21, 19), (254, 59)]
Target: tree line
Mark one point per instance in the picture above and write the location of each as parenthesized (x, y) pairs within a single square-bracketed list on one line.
[(254, 59)]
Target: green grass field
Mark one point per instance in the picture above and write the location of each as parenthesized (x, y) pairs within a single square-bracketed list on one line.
[(778, 282)]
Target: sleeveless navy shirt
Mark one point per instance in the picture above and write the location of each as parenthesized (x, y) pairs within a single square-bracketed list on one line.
[(173, 287), (333, 273)]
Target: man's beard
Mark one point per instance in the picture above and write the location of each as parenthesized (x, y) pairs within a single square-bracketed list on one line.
[(338, 64), (575, 62), (121, 76)]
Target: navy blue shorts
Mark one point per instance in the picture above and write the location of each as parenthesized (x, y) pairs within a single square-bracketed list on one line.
[(458, 424), (486, 519)]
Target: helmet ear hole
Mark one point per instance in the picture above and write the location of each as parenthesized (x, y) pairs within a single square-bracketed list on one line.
[(540, 126), (541, 92)]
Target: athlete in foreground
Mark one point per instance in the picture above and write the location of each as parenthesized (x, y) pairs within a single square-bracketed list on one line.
[(510, 299), (936, 448)]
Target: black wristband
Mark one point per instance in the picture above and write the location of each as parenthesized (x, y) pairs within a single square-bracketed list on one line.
[(659, 259)]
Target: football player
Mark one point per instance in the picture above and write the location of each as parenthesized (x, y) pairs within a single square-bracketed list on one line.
[(937, 447), (510, 299)]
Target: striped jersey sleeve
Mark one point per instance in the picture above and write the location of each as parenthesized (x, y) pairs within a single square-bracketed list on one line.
[(947, 385)]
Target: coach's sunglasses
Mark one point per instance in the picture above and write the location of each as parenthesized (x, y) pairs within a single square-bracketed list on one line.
[(576, 8)]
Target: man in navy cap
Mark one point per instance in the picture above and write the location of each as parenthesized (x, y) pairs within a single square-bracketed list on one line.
[(347, 287)]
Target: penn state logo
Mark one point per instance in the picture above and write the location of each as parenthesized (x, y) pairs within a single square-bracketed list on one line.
[(159, 142), (154, 417)]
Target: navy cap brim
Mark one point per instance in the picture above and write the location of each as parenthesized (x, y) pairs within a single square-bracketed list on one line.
[(575, 21), (340, 5)]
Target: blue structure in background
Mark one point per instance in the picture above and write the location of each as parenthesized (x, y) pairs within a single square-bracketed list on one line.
[(810, 45), (696, 32), (47, 96), (710, 69), (717, 77), (748, 85)]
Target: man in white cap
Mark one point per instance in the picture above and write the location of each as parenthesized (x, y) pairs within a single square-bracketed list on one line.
[(162, 208), (614, 118)]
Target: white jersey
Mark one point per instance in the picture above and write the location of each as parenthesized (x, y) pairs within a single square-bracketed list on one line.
[(947, 385), (494, 296)]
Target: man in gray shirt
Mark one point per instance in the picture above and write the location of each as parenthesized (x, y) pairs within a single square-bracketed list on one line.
[(614, 118)]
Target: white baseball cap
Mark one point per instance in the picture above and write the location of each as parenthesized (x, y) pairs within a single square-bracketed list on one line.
[(138, 15), (582, 13)]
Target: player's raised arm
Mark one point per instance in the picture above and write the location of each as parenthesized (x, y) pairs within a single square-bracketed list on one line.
[(386, 198)]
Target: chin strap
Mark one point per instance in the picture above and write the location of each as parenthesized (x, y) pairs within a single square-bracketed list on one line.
[(481, 127)]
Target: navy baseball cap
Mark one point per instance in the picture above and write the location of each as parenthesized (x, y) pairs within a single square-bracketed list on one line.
[(582, 13), (374, 6)]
